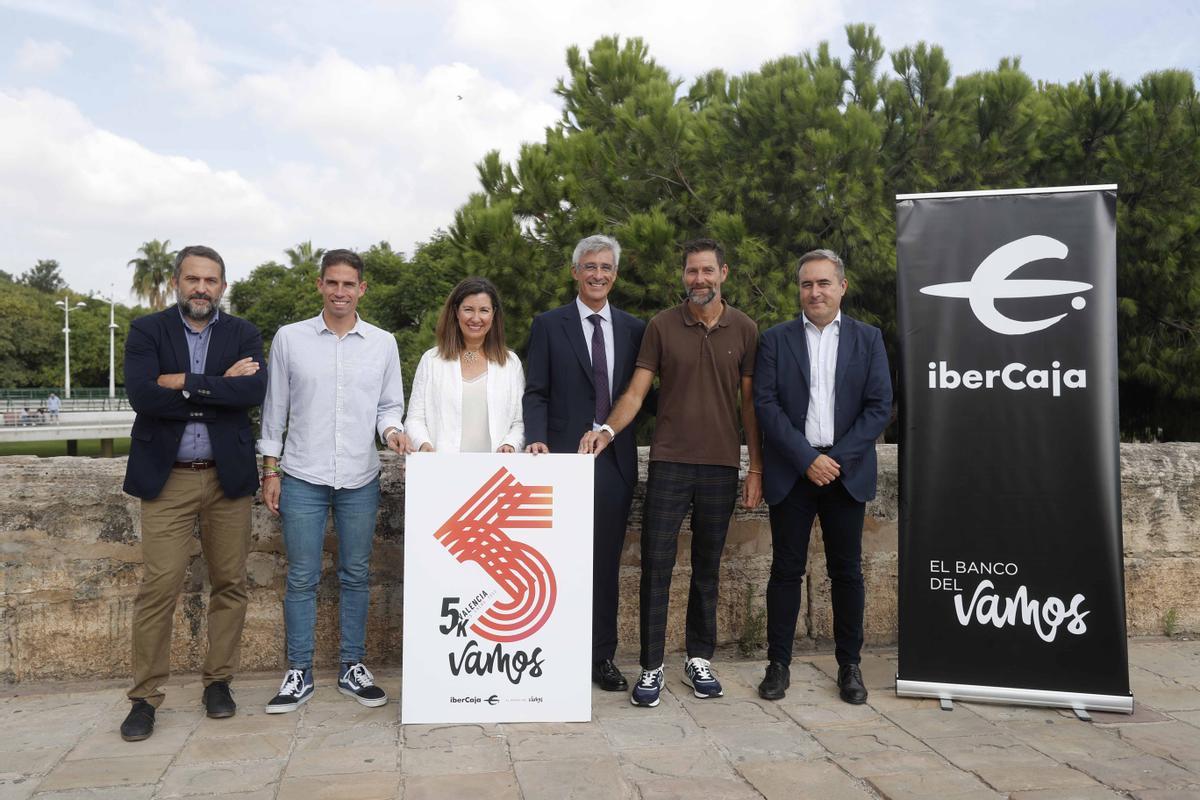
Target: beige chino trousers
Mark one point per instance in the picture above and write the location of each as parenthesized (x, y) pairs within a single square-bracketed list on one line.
[(168, 522)]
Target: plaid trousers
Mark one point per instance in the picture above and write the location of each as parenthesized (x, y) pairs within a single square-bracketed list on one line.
[(710, 491)]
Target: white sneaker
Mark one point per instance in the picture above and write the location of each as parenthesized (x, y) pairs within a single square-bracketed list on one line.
[(698, 674), (294, 692)]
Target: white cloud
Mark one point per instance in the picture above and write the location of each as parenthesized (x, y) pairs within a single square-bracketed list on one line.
[(687, 39), (186, 59), (401, 144), (88, 197), (41, 56)]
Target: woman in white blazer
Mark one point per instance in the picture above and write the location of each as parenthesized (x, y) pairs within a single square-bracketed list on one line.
[(466, 394)]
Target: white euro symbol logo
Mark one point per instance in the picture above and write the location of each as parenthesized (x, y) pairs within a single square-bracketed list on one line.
[(990, 283)]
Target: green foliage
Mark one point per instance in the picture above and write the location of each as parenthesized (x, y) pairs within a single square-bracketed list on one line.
[(304, 256), (274, 295), (31, 338), (152, 271), (809, 151), (44, 276), (754, 625), (1171, 623), (403, 296)]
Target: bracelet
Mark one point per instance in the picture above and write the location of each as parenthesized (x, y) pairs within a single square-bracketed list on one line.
[(266, 476), (267, 468), (754, 472)]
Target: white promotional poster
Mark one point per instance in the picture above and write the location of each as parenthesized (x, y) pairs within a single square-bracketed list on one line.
[(497, 588)]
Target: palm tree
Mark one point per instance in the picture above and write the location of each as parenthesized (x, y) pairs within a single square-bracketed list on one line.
[(304, 256), (152, 272)]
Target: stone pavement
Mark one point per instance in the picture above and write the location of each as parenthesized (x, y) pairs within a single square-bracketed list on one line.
[(61, 742)]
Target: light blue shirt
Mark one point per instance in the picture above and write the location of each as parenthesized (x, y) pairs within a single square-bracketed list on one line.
[(331, 396), (195, 444)]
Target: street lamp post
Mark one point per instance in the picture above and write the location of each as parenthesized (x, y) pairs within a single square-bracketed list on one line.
[(65, 305), (112, 342)]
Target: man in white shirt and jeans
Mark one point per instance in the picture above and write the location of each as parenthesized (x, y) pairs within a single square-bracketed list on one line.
[(333, 383)]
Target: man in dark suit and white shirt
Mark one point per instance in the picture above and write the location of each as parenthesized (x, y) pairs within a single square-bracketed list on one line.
[(192, 373), (581, 357), (823, 395)]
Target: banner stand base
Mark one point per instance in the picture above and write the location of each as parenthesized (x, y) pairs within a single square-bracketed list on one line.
[(1077, 701)]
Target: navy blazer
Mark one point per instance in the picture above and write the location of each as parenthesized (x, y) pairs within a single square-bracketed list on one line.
[(157, 345), (560, 393), (862, 406)]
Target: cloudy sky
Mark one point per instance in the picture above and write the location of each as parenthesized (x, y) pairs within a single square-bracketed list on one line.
[(254, 126)]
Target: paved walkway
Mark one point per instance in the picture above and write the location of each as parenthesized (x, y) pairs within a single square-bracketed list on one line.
[(59, 742)]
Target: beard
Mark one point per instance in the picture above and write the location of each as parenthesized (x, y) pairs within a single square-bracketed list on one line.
[(702, 296), (193, 306)]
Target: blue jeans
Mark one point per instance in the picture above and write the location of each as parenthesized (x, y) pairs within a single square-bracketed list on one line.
[(304, 508)]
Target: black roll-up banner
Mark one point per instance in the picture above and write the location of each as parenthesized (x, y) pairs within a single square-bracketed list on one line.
[(1011, 573)]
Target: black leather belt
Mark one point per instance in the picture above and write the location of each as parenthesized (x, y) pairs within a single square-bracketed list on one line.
[(823, 449), (198, 464)]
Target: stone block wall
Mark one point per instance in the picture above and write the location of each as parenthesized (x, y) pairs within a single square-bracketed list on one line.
[(70, 562)]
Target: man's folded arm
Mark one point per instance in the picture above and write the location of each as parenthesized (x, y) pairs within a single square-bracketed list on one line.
[(142, 369), (242, 391)]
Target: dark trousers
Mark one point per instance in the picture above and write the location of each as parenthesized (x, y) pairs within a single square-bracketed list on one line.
[(841, 527), (671, 489), (611, 517)]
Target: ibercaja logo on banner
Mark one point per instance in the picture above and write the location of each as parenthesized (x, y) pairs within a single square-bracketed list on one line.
[(497, 587), (475, 533), (991, 282)]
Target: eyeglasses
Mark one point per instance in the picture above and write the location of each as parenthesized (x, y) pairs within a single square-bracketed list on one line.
[(607, 269)]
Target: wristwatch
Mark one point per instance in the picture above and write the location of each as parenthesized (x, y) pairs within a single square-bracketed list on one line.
[(606, 428)]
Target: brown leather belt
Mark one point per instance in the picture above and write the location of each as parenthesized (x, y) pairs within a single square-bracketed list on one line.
[(198, 464)]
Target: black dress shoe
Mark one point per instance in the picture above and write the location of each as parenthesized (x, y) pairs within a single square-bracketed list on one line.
[(774, 685), (218, 701), (850, 684), (606, 675), (139, 723)]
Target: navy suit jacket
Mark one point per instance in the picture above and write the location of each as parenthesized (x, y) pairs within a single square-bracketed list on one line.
[(560, 393), (862, 406), (157, 345)]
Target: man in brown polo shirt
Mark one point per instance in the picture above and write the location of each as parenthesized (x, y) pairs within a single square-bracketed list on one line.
[(703, 354)]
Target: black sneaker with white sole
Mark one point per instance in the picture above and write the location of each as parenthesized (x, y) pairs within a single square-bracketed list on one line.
[(294, 692), (358, 682)]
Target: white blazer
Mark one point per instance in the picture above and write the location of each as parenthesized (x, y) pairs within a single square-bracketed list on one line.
[(435, 407)]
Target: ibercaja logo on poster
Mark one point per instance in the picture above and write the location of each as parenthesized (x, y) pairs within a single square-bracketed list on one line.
[(478, 533)]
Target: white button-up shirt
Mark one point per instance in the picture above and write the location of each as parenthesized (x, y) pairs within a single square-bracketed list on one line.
[(606, 329), (332, 396), (822, 364)]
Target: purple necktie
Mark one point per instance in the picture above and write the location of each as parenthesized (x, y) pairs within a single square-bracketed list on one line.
[(600, 370)]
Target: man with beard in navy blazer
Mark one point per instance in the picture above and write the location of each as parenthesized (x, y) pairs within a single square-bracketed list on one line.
[(192, 372), (580, 359), (823, 395)]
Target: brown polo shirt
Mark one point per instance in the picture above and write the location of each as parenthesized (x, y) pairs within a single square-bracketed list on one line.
[(700, 372)]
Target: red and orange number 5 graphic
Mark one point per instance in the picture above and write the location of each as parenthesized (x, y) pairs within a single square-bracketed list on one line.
[(476, 532)]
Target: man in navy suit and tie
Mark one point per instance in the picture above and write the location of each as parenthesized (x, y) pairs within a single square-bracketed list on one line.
[(581, 356), (823, 395), (192, 374)]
